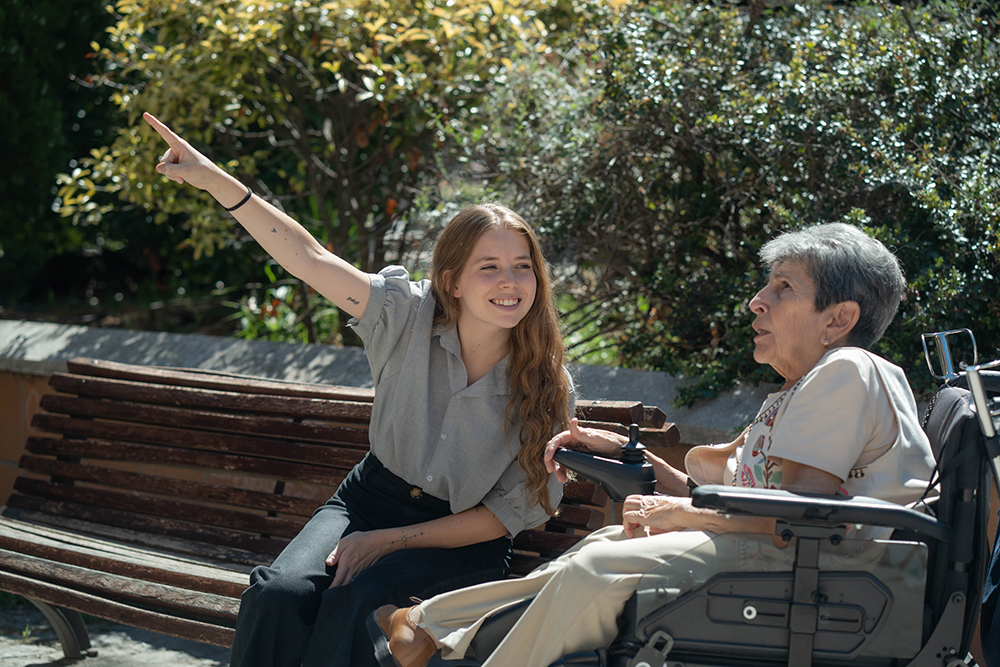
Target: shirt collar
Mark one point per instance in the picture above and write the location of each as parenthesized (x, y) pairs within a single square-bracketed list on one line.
[(492, 384), (448, 339)]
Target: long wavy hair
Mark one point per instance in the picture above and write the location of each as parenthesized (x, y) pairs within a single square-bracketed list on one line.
[(535, 370)]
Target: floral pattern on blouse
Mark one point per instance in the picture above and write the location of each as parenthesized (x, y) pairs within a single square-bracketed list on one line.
[(756, 469)]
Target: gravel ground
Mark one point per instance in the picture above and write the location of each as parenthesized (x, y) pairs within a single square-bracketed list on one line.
[(27, 640)]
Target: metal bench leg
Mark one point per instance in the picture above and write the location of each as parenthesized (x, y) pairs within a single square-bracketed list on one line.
[(70, 629)]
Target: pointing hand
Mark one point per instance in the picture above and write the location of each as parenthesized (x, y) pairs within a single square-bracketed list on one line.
[(181, 162)]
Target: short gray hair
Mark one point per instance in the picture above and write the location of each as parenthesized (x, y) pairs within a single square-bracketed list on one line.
[(845, 264)]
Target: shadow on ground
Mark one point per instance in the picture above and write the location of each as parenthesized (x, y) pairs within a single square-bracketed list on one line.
[(27, 640)]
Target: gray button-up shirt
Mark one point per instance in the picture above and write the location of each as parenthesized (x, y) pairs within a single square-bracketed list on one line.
[(430, 428)]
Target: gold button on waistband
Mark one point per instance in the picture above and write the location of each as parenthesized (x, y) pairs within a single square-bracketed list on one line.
[(416, 492)]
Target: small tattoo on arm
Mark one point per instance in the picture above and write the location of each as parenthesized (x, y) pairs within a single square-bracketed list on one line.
[(354, 301), (273, 230), (404, 539)]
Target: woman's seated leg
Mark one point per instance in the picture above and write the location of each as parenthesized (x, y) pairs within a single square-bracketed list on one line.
[(577, 598), (341, 638), (277, 612)]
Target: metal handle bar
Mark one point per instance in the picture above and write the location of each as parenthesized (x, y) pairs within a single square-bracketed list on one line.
[(978, 379), (940, 338)]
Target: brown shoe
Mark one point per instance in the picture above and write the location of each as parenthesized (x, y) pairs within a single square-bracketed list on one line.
[(399, 642)]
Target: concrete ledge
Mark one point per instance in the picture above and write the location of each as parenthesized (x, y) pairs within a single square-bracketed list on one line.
[(34, 348)]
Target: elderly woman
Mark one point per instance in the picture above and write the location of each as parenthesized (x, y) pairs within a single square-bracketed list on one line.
[(844, 421)]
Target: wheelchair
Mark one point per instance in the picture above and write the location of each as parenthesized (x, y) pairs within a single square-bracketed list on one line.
[(914, 604)]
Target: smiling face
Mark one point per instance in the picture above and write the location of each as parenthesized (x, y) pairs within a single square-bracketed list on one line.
[(496, 287), (790, 331)]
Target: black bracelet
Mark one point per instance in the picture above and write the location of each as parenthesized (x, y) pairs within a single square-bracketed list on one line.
[(242, 201)]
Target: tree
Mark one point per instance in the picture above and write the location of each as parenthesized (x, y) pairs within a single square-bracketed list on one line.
[(47, 120), (669, 142), (329, 109)]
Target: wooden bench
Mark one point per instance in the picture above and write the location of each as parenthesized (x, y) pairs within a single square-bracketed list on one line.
[(161, 489)]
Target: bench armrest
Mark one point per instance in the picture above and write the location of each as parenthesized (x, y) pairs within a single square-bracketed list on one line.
[(821, 509)]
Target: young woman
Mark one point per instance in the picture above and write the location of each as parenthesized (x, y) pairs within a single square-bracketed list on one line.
[(469, 387)]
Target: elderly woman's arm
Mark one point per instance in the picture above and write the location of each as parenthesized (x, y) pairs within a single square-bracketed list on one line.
[(652, 515)]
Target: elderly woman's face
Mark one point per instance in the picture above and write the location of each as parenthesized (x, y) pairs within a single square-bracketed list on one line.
[(789, 330)]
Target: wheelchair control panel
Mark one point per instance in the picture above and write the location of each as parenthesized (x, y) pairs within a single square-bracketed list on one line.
[(619, 478)]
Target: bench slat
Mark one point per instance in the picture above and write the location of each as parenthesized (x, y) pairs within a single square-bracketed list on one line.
[(264, 549), (122, 559), (545, 542), (569, 516), (599, 410), (47, 514), (335, 454), (196, 514), (210, 398), (313, 454), (214, 493), (59, 596), (215, 380), (654, 417), (522, 564), (150, 595), (583, 492), (582, 518), (622, 412), (354, 435), (127, 452)]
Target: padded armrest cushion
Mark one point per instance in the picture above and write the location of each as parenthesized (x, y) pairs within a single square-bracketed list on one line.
[(808, 508)]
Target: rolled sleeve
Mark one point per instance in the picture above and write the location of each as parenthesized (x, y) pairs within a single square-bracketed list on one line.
[(509, 501), (388, 316)]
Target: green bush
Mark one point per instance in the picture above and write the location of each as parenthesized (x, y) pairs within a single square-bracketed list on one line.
[(667, 143), (327, 109)]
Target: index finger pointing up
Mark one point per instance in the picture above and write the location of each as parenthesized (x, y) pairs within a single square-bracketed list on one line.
[(168, 135)]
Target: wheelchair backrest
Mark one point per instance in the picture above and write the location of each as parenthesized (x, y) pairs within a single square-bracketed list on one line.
[(962, 477)]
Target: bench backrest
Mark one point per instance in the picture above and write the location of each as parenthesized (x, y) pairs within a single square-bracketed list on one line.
[(229, 468)]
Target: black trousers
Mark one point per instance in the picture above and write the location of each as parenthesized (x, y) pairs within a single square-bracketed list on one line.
[(288, 617)]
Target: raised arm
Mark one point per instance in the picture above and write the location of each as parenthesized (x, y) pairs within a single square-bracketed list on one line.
[(283, 238)]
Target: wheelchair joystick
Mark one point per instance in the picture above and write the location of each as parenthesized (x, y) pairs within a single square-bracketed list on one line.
[(632, 451), (619, 478)]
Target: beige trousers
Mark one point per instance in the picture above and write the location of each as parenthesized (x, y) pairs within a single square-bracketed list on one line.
[(578, 596)]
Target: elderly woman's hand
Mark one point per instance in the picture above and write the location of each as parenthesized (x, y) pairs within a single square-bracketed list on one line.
[(653, 515), (590, 440)]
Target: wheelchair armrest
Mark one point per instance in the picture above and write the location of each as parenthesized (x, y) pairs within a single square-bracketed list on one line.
[(817, 509)]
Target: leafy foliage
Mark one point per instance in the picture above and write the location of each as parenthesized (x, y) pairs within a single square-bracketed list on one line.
[(329, 108), (288, 311), (669, 142)]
